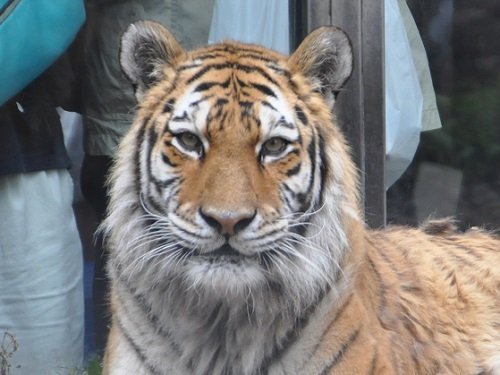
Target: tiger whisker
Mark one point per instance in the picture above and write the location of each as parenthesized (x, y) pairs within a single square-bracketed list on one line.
[(290, 250), (303, 241)]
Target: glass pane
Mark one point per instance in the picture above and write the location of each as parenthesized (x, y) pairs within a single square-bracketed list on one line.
[(456, 169)]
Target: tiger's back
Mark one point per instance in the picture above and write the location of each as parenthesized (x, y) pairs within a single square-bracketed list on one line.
[(437, 293), (236, 240)]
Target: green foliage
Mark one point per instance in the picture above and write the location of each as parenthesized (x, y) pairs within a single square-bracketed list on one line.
[(94, 367)]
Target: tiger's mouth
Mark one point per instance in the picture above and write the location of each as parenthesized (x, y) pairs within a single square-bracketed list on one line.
[(226, 250), (224, 253)]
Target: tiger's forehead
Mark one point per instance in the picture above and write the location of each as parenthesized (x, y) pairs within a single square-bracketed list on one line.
[(227, 87)]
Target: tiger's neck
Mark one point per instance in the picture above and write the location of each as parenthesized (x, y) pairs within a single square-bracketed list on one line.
[(245, 337), (220, 336)]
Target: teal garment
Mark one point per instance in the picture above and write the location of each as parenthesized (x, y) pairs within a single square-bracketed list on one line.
[(33, 34), (108, 102)]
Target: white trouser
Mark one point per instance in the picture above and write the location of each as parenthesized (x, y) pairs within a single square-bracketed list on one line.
[(41, 270)]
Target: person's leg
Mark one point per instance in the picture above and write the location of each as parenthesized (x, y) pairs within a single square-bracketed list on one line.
[(41, 288), (93, 177)]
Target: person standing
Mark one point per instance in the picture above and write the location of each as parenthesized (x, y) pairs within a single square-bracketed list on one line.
[(108, 103), (41, 266)]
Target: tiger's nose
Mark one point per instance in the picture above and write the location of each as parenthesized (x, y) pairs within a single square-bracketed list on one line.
[(227, 222)]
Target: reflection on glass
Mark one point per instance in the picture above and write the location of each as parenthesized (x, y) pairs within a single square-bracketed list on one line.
[(456, 171)]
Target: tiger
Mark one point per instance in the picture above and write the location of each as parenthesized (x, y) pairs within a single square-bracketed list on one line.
[(236, 238)]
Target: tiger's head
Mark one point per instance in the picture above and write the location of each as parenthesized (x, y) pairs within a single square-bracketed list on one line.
[(234, 177)]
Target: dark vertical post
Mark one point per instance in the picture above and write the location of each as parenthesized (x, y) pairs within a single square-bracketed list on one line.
[(360, 109), (298, 14), (372, 13)]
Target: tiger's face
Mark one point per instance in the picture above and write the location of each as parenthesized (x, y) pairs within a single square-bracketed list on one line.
[(238, 165)]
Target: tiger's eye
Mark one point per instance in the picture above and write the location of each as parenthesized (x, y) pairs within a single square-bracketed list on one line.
[(190, 142), (274, 146)]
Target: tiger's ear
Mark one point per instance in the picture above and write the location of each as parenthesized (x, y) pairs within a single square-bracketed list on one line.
[(147, 48), (325, 57)]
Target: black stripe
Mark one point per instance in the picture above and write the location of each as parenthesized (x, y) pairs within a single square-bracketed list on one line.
[(323, 168), (137, 157), (152, 137), (447, 267), (189, 66), (396, 270), (462, 260), (158, 184), (295, 170), (294, 87), (246, 107), (311, 150), (468, 250), (263, 89), (256, 120), (373, 364), (287, 201), (304, 198), (217, 115), (244, 93), (269, 105), (149, 201), (253, 69), (145, 307), (241, 48), (335, 319), (288, 125), (293, 334), (183, 117), (412, 289), (208, 68), (221, 102), (169, 106), (218, 112), (170, 181), (456, 246), (196, 103), (301, 115), (208, 85), (138, 351), (222, 121), (218, 319), (339, 356), (279, 70), (241, 83), (300, 228), (383, 287), (257, 56), (289, 189)]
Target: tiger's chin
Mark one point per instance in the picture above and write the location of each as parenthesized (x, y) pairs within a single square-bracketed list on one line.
[(225, 272)]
